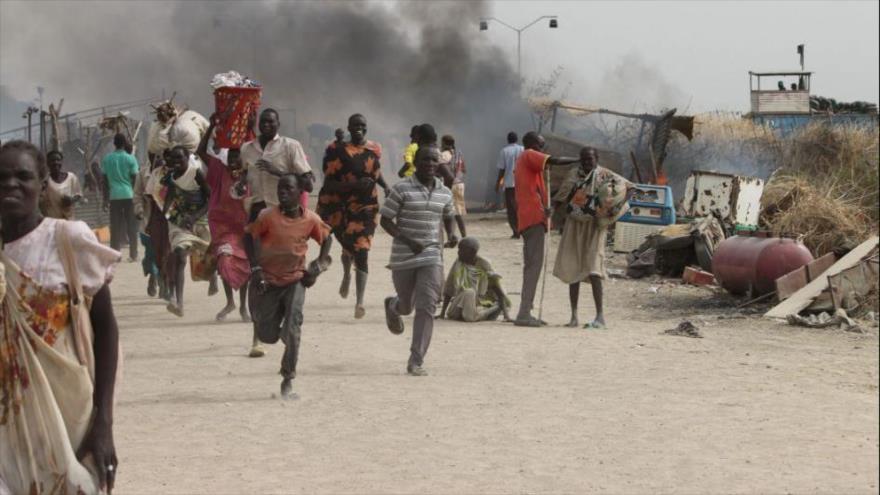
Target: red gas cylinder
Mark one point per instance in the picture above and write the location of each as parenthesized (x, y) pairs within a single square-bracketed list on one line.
[(743, 263)]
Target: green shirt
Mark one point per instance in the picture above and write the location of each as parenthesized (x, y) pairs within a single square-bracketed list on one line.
[(119, 168)]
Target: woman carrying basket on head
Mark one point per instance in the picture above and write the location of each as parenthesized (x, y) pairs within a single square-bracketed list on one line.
[(58, 342)]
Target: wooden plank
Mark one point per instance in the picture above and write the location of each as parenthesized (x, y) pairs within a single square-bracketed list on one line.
[(802, 298), (818, 267), (787, 285)]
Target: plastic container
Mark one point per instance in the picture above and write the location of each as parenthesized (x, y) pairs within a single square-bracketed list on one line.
[(751, 265), (233, 131), (651, 205)]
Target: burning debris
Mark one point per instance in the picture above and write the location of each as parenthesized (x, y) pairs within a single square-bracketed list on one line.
[(684, 329)]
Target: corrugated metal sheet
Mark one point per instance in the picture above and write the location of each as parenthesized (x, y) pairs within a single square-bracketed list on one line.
[(91, 212), (780, 102)]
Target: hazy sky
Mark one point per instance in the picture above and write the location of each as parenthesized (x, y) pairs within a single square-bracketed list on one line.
[(704, 49), (625, 54)]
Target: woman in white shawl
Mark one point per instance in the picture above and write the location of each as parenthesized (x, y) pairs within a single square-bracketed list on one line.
[(58, 343)]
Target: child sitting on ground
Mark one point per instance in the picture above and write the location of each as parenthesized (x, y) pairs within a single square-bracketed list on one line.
[(473, 289)]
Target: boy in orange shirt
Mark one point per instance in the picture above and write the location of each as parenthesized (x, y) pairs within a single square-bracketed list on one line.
[(279, 276)]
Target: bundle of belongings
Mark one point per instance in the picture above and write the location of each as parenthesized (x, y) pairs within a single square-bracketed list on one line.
[(174, 126), (236, 101), (599, 193), (671, 250), (232, 79)]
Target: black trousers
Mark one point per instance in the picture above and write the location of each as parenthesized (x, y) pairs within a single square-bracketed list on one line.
[(510, 204), (278, 314), (123, 224)]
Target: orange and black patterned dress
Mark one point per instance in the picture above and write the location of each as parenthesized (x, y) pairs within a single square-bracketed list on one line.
[(352, 216)]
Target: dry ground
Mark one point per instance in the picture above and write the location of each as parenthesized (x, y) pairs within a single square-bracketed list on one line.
[(754, 407)]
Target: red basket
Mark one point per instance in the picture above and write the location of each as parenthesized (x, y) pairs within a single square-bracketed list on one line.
[(233, 131)]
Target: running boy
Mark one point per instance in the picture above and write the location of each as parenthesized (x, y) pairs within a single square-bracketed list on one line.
[(278, 271)]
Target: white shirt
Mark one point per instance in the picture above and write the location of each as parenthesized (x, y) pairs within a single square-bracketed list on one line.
[(285, 154), (68, 187)]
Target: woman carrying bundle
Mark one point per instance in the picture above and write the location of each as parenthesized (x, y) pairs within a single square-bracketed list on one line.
[(185, 206)]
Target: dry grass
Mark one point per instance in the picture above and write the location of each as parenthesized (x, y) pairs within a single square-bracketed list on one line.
[(826, 189), (796, 207)]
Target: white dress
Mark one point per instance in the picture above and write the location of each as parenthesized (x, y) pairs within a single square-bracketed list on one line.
[(47, 367)]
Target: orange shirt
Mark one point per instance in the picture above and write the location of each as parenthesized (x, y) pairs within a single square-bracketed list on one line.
[(531, 192), (284, 243)]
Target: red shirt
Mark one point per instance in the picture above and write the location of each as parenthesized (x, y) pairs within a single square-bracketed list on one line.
[(531, 191), (284, 243)]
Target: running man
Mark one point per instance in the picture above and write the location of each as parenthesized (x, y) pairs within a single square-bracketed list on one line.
[(412, 214)]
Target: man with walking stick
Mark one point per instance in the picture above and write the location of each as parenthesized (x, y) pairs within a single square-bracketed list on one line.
[(533, 211)]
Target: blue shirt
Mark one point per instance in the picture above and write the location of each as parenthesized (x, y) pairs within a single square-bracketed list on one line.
[(507, 162), (119, 167)]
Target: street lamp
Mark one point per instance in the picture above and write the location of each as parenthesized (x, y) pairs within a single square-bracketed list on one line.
[(484, 26)]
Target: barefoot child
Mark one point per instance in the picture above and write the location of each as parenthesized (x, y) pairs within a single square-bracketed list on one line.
[(277, 249)]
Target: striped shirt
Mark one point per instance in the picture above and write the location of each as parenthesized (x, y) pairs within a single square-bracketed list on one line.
[(419, 212)]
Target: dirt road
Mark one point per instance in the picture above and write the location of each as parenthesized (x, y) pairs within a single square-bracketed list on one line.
[(754, 407)]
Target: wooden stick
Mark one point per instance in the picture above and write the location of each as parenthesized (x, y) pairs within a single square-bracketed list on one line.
[(134, 136), (654, 170), (546, 245), (632, 157), (757, 299)]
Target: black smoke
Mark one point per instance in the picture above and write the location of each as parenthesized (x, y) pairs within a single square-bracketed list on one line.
[(399, 64)]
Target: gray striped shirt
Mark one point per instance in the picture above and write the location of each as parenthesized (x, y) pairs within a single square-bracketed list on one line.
[(419, 212)]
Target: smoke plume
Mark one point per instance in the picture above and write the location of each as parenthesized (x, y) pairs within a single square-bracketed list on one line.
[(399, 64)]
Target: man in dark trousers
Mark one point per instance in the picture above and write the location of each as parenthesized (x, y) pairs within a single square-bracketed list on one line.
[(412, 214), (119, 170), (506, 165), (532, 218)]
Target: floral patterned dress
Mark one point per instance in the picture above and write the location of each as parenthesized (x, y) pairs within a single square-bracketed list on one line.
[(352, 216), (46, 386)]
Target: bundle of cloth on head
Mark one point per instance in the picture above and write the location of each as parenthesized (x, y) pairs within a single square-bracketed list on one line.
[(173, 127)]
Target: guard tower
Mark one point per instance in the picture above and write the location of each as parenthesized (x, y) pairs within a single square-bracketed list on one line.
[(781, 92)]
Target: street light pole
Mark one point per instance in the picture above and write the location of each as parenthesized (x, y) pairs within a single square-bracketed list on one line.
[(484, 25)]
